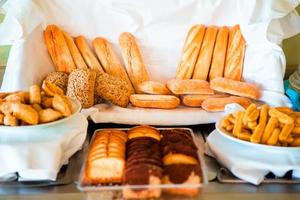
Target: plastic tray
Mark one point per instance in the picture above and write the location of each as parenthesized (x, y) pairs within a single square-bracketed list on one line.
[(108, 187)]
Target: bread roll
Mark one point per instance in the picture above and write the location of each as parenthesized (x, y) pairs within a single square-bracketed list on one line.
[(78, 60), (190, 86), (190, 52), (235, 87), (218, 104), (235, 54), (87, 54), (109, 60), (154, 101), (195, 100), (204, 59), (134, 63), (152, 87), (81, 86), (58, 49), (59, 79), (219, 54)]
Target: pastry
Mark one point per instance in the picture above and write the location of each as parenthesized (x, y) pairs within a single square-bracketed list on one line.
[(10, 120), (109, 60), (6, 107), (58, 49), (81, 86), (62, 104), (190, 86), (195, 100), (235, 54), (219, 54), (218, 104), (22, 97), (235, 87), (133, 60), (37, 107), (152, 87), (47, 102), (59, 79), (87, 54), (48, 115), (205, 56), (1, 118), (35, 94), (78, 60), (25, 113), (113, 89), (190, 52), (51, 89), (154, 101)]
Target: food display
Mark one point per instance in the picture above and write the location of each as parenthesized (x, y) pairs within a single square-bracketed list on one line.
[(143, 162), (278, 126), (210, 66), (36, 106)]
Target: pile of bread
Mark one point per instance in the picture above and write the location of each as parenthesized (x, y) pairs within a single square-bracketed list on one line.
[(35, 106), (144, 156), (208, 76)]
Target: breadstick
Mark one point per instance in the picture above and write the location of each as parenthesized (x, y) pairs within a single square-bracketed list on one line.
[(274, 137), (252, 125), (271, 125), (87, 54), (258, 132), (225, 122), (78, 60), (235, 87), (296, 131), (134, 63), (237, 128), (283, 118), (253, 115), (219, 54), (249, 109), (285, 132), (289, 139), (231, 118), (243, 135), (110, 61), (204, 59), (229, 127), (296, 142), (190, 52), (285, 110), (235, 54)]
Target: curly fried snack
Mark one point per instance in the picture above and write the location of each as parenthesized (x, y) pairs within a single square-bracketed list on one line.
[(25, 113)]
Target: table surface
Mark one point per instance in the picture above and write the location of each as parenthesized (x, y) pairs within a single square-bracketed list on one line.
[(213, 190)]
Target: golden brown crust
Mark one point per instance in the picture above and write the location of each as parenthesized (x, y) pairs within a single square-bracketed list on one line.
[(25, 113), (51, 89), (87, 54), (143, 131), (189, 86), (35, 94), (195, 100), (235, 54), (235, 87), (49, 115), (154, 101), (218, 104), (109, 60), (62, 104), (132, 57), (190, 52), (205, 56), (152, 87), (58, 49), (219, 54)]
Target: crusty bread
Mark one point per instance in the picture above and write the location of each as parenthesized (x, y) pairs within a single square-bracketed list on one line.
[(132, 57), (195, 100), (87, 54), (189, 86), (235, 54), (59, 79), (190, 52), (58, 49), (152, 87), (205, 56), (154, 101), (218, 104), (219, 54)]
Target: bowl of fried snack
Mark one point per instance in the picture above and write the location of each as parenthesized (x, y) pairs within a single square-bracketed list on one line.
[(264, 126), (39, 106)]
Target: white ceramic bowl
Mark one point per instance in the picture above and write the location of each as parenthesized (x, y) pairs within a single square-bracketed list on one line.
[(244, 143)]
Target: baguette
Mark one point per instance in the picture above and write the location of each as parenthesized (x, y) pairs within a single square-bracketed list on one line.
[(235, 87), (218, 104), (190, 52), (219, 54), (58, 49), (204, 59), (87, 54), (195, 100), (235, 54), (109, 60), (154, 101), (189, 86), (78, 60), (152, 87), (132, 57)]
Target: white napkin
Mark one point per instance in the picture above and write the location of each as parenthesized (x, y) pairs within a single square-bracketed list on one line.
[(252, 164), (39, 153)]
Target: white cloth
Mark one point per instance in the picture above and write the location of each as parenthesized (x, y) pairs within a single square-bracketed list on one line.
[(38, 153), (252, 164), (160, 28)]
